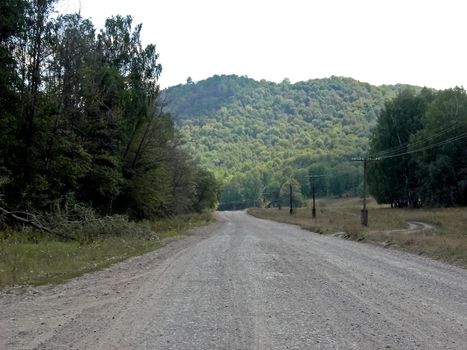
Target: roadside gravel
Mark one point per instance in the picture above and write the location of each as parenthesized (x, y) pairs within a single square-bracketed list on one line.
[(246, 283)]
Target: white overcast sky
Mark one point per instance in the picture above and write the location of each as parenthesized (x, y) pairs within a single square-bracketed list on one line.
[(377, 41)]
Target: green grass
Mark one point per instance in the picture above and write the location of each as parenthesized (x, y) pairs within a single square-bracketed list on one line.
[(447, 241), (31, 258)]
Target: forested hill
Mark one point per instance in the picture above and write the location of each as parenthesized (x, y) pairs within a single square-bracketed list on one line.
[(259, 132)]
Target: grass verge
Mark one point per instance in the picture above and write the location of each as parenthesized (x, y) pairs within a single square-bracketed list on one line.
[(32, 258), (447, 240)]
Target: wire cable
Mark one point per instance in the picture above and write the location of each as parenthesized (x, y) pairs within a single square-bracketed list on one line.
[(440, 143), (442, 131)]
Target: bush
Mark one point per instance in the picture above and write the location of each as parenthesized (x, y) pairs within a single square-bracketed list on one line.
[(81, 223)]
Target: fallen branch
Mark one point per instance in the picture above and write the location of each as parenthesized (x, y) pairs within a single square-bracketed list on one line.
[(30, 220)]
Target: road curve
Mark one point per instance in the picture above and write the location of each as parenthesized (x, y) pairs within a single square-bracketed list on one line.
[(250, 284)]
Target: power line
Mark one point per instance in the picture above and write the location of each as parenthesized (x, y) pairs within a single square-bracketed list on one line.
[(399, 148), (392, 153), (434, 145)]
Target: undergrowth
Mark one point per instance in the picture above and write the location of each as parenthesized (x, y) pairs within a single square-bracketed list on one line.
[(29, 256)]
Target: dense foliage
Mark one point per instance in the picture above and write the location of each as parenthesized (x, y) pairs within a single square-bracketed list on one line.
[(420, 144), (257, 136), (81, 119)]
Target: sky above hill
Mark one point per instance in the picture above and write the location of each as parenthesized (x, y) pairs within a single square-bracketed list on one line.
[(381, 42)]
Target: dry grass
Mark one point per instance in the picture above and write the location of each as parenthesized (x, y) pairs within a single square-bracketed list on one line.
[(447, 241)]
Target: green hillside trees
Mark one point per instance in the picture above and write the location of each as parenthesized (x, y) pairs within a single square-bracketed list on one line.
[(82, 119), (420, 144), (256, 134)]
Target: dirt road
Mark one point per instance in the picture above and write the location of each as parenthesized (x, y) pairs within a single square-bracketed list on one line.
[(247, 283)]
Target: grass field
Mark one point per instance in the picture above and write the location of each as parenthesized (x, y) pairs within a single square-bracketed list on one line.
[(447, 240), (33, 259)]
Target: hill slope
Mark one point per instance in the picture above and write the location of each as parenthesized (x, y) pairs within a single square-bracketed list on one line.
[(263, 133)]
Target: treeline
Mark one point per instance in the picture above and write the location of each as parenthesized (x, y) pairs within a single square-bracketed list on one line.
[(257, 134), (266, 187), (420, 147), (82, 119)]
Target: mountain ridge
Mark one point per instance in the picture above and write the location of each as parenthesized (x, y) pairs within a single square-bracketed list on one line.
[(239, 126)]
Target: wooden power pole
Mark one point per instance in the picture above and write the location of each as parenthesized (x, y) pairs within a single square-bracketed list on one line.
[(364, 211), (290, 199), (312, 178)]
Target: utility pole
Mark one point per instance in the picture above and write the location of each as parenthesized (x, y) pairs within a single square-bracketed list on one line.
[(364, 214), (312, 178), (364, 211), (290, 199)]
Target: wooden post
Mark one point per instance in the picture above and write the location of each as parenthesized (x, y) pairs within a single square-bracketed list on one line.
[(364, 210), (364, 213), (290, 199), (313, 210), (312, 178)]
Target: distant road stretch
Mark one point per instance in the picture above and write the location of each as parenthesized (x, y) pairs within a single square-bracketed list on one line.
[(245, 283)]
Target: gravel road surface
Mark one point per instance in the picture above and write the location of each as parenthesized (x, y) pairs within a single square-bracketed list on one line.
[(245, 283)]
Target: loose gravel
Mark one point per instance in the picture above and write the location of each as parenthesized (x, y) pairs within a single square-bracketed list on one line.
[(245, 283)]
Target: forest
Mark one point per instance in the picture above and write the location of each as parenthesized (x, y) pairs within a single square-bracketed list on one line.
[(418, 150), (258, 136), (84, 124), (83, 127)]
